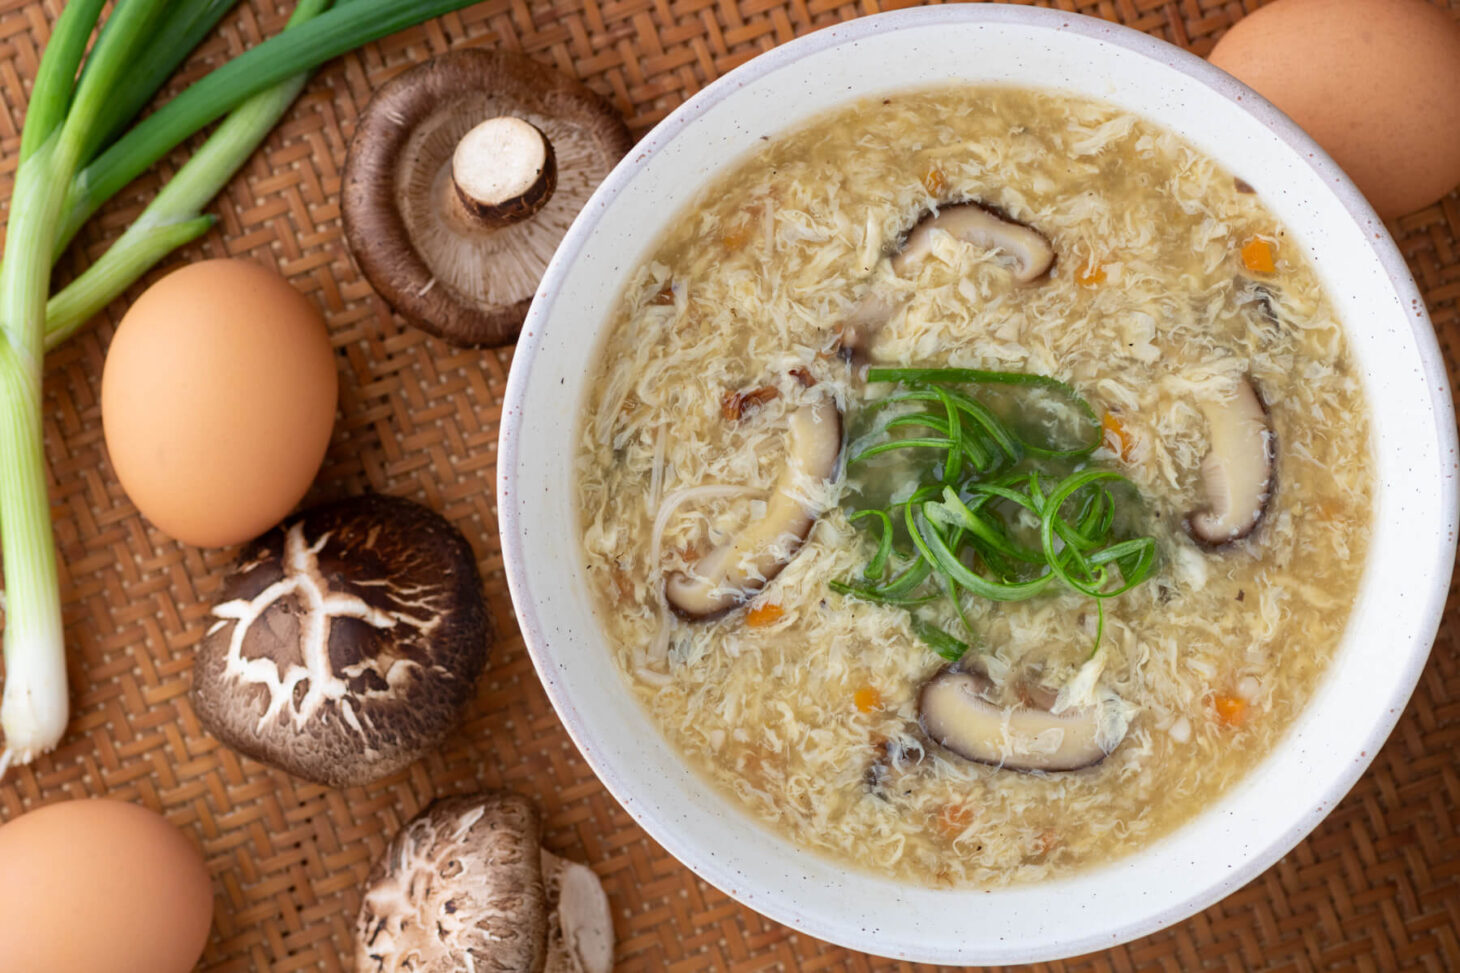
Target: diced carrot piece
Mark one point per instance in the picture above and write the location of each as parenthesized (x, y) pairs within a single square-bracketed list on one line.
[(935, 182), (1231, 710), (1116, 437), (1259, 255), (1048, 841), (953, 819), (867, 699), (1090, 275), (736, 237), (764, 614)]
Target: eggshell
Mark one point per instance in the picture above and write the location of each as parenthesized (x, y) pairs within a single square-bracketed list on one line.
[(1376, 82), (100, 886), (217, 401)]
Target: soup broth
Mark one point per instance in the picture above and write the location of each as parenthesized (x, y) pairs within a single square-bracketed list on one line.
[(1172, 288)]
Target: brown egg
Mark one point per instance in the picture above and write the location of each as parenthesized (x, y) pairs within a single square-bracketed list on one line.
[(100, 887), (1376, 82), (217, 401)]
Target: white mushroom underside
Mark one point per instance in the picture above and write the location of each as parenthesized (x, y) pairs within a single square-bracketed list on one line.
[(955, 713), (1237, 471), (499, 160), (1026, 251), (732, 572)]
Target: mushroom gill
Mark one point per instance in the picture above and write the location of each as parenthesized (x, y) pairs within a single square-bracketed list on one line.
[(731, 573), (1028, 253), (956, 710), (1237, 473)]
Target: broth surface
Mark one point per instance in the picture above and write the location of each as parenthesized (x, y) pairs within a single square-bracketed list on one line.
[(802, 705)]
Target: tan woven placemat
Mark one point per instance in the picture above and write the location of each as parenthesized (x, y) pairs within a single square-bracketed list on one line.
[(1377, 885)]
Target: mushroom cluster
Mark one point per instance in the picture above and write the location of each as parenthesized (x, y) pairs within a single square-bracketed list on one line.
[(461, 180), (465, 887), (347, 642)]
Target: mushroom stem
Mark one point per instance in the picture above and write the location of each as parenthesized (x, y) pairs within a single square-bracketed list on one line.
[(580, 924), (503, 171)]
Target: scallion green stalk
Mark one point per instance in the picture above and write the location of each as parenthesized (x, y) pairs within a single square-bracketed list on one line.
[(302, 49), (174, 217), (74, 114), (34, 707)]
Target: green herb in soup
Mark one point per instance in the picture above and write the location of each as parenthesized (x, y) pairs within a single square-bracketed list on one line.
[(987, 486), (1004, 374)]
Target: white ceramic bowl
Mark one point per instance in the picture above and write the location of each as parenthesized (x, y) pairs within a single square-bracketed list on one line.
[(1393, 623)]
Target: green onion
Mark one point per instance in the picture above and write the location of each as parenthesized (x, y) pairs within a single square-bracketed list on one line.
[(961, 524), (71, 162)]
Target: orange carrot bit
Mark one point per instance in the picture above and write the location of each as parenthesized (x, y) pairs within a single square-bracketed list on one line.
[(1047, 842), (736, 237), (1259, 255), (935, 182), (953, 819), (1231, 710), (1090, 275), (867, 699), (764, 614), (1116, 437)]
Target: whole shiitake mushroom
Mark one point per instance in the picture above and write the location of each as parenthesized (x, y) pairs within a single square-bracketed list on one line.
[(348, 641), (462, 178)]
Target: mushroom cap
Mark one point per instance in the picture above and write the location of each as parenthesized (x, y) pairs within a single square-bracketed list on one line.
[(459, 888), (468, 284), (348, 641)]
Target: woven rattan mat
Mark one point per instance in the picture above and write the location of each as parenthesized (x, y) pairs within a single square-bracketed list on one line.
[(1377, 885)]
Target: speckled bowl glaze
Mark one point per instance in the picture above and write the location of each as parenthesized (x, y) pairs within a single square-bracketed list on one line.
[(1393, 622)]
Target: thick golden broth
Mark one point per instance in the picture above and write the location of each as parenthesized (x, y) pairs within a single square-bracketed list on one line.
[(802, 705)]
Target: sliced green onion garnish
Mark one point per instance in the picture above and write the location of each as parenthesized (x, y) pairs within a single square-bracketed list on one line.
[(979, 478)]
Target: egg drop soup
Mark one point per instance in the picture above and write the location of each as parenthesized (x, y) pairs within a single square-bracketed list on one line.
[(975, 484)]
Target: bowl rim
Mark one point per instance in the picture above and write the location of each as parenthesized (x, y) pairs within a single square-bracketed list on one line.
[(1430, 608)]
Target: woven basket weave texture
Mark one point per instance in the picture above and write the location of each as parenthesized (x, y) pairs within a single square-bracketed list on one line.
[(1375, 887)]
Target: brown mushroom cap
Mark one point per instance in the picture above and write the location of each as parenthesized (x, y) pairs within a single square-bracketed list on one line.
[(443, 268), (348, 643), (460, 888)]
